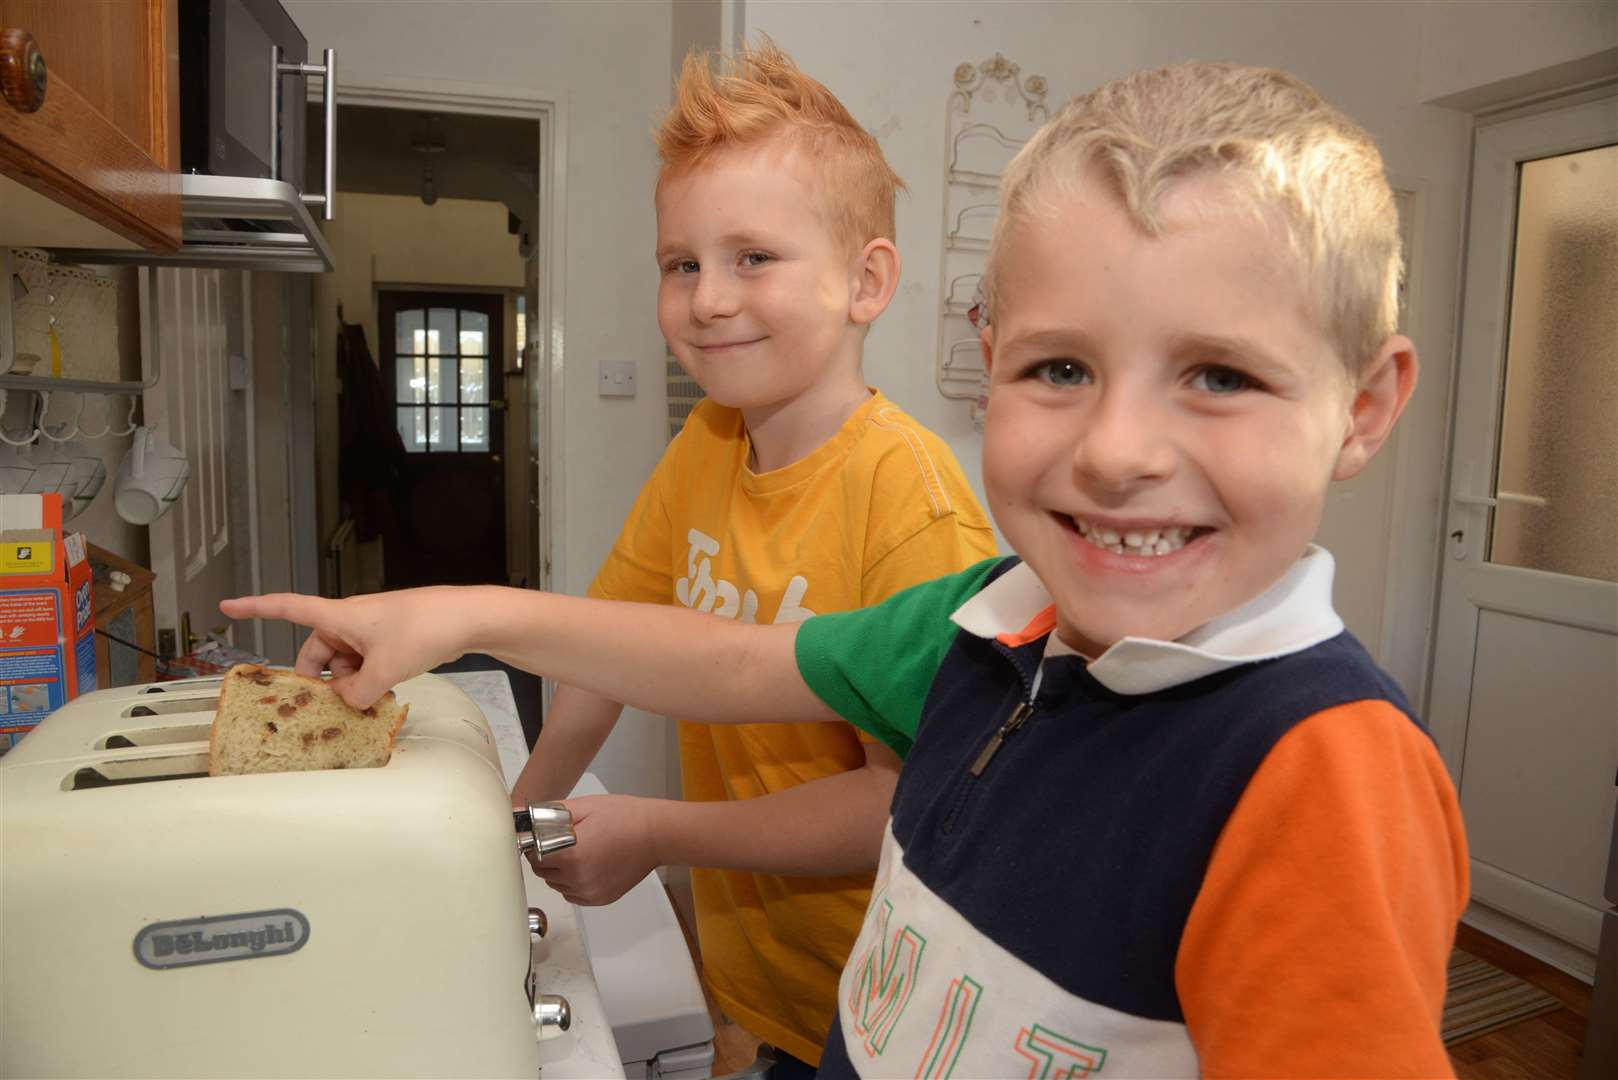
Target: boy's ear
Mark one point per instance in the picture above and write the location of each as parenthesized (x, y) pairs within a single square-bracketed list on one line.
[(876, 278), (1380, 395), (986, 343)]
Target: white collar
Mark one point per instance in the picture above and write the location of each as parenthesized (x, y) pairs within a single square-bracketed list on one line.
[(1292, 615)]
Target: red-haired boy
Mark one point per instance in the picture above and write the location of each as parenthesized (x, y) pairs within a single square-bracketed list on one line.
[(794, 489)]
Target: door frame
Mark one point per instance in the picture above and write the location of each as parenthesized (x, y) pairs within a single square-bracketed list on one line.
[(545, 369), (1541, 134), (1552, 127)]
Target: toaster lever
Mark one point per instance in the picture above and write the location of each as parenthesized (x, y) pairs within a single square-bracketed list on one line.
[(552, 1015), (543, 828)]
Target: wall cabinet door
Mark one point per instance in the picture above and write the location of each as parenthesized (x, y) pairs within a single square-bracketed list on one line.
[(104, 139)]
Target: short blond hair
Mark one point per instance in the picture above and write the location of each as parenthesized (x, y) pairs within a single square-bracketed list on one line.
[(1279, 143), (761, 97)]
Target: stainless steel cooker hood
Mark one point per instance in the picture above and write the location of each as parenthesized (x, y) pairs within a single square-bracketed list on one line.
[(249, 223)]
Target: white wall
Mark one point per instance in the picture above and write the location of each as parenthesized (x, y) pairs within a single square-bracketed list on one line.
[(891, 64), (1487, 51), (607, 66)]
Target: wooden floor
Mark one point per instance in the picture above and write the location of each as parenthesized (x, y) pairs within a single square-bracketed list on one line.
[(1543, 1047)]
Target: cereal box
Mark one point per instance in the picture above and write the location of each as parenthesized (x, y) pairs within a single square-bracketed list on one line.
[(47, 617)]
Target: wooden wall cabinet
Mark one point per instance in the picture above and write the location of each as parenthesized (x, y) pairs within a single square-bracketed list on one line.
[(104, 138)]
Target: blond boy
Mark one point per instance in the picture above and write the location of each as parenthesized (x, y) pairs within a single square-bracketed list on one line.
[(1160, 814)]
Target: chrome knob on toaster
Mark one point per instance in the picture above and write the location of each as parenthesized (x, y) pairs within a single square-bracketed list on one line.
[(552, 1015), (538, 924), (544, 828)]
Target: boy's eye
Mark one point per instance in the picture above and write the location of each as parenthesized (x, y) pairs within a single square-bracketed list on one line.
[(681, 266), (754, 258), (1062, 373), (1221, 380)]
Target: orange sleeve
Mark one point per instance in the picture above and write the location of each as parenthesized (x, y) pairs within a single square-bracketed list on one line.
[(1318, 943)]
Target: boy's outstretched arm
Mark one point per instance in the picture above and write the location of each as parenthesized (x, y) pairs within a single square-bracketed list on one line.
[(828, 826), (663, 659)]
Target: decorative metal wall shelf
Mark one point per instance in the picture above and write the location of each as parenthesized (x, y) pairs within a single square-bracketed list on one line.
[(989, 115), (49, 310)]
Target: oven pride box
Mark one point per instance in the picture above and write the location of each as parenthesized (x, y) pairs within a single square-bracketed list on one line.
[(47, 617)]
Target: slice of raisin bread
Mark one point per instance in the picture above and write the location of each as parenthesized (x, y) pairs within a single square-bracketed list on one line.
[(271, 720)]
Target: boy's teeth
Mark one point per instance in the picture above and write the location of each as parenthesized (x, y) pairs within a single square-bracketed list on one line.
[(1147, 542)]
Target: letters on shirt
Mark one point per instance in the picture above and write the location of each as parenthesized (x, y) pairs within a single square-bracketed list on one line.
[(701, 591)]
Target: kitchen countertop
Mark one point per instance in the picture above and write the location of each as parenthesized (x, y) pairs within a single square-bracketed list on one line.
[(587, 1050)]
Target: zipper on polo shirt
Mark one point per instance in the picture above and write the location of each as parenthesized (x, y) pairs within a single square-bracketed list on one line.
[(1019, 716)]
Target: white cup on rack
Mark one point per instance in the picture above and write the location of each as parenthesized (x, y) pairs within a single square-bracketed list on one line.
[(150, 478)]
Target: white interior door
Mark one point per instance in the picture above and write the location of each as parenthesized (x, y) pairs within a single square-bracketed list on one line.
[(195, 322), (1525, 676)]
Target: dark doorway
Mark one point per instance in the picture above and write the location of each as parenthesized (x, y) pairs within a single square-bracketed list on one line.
[(441, 357)]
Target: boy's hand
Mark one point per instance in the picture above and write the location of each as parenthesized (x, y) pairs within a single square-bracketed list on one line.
[(370, 643), (616, 849)]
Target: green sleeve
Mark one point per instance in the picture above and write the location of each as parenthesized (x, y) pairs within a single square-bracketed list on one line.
[(874, 666)]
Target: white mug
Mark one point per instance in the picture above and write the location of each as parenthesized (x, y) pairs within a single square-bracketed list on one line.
[(150, 478)]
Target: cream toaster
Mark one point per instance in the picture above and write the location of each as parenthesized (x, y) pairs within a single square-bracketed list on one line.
[(156, 921)]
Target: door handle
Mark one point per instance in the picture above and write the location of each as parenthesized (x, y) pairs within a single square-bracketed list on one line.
[(327, 199), (1503, 497), (1461, 496)]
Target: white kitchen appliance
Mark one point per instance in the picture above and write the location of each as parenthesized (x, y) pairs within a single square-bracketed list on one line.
[(649, 986), (155, 921)]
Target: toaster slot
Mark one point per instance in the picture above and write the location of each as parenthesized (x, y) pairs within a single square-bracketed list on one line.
[(156, 707), (157, 736), (207, 682), (137, 771), (163, 734)]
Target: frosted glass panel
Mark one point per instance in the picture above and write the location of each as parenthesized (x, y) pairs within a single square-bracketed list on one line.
[(474, 333), (440, 332), (440, 372), (474, 379), (474, 429), (1557, 476), (441, 430), (408, 336), (410, 372)]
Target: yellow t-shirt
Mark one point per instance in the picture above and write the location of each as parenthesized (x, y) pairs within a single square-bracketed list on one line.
[(879, 507)]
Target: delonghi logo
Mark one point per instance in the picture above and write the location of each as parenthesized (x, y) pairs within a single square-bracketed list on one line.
[(215, 939)]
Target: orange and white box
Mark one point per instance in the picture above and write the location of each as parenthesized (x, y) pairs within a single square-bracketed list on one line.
[(47, 617)]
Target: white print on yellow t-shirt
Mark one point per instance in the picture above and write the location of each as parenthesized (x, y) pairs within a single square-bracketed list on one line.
[(701, 592)]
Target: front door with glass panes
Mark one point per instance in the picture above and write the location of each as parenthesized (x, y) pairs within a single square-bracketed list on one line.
[(1524, 702), (442, 353)]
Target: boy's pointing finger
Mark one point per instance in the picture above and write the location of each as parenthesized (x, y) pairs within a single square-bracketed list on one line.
[(289, 606)]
